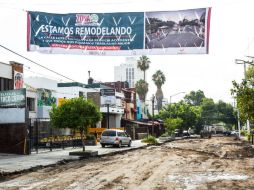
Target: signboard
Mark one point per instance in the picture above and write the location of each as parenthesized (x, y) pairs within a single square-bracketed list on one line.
[(13, 98), (107, 92), (108, 100), (126, 33), (18, 80)]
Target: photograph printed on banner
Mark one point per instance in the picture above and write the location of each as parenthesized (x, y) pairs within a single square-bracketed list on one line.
[(174, 29)]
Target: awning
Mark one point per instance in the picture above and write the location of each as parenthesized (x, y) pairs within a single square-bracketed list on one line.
[(137, 122)]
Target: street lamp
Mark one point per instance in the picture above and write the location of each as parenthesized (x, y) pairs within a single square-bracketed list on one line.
[(170, 97), (240, 61), (153, 97)]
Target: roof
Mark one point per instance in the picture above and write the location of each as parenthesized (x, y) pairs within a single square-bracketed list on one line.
[(97, 85), (70, 84), (137, 122)]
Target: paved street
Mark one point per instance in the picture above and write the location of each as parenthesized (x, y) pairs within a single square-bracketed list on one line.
[(176, 40)]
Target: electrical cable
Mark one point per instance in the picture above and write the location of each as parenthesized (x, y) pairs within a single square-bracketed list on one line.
[(35, 63), (43, 75)]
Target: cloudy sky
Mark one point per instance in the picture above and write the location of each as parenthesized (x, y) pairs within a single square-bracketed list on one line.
[(231, 37)]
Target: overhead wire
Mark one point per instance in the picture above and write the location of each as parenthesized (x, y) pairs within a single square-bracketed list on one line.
[(43, 75), (36, 63)]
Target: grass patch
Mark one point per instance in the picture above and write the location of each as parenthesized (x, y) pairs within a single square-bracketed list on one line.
[(150, 140)]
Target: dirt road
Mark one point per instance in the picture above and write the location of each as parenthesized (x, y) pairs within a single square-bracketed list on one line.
[(217, 163)]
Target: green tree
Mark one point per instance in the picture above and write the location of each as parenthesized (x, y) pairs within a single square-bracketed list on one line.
[(226, 113), (159, 79), (250, 75), (188, 113), (209, 112), (141, 89), (143, 64), (195, 97), (172, 124), (244, 93), (75, 113)]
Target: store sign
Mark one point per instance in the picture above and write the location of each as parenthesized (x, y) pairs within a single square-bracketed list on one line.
[(107, 92), (13, 98), (122, 33)]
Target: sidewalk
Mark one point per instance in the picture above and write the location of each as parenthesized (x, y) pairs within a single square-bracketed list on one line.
[(10, 163)]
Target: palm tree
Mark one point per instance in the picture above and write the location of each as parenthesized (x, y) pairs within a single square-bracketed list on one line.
[(143, 64), (159, 79), (142, 89)]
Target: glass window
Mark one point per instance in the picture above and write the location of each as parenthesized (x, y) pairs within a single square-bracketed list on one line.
[(120, 134), (127, 74), (31, 104), (109, 133), (81, 94), (5, 84)]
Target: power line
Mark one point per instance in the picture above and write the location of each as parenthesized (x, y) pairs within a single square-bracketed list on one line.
[(35, 63), (43, 75), (41, 65)]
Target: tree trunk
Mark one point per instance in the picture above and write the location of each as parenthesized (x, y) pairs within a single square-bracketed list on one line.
[(159, 98), (82, 140), (144, 76)]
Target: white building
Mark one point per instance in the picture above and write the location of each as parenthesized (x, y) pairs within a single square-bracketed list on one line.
[(51, 92), (128, 71)]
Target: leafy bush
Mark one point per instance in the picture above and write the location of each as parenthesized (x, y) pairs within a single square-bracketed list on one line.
[(90, 137), (248, 136), (244, 133), (150, 140)]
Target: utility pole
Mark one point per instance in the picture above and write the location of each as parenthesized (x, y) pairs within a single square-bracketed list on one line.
[(153, 97), (108, 115), (240, 61)]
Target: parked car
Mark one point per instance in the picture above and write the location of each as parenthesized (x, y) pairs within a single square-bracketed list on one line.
[(227, 133), (186, 133), (115, 137), (236, 133)]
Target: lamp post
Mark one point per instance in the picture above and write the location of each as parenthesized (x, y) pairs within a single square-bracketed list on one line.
[(153, 97), (240, 61), (170, 98), (107, 115)]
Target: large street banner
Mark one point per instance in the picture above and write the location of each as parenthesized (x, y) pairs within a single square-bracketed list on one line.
[(126, 33)]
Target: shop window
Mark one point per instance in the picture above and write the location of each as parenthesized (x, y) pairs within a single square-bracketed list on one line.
[(31, 104)]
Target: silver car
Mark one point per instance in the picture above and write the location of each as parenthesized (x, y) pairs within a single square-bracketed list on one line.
[(115, 137)]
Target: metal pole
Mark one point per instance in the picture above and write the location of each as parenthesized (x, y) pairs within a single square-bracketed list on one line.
[(247, 122), (108, 114), (239, 125), (153, 114), (170, 106), (239, 61), (37, 136)]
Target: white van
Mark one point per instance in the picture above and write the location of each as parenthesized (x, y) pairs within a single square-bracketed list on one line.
[(115, 137)]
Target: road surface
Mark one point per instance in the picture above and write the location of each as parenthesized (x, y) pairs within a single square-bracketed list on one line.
[(218, 163)]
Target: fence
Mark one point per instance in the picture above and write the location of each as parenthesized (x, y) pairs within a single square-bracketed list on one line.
[(43, 136)]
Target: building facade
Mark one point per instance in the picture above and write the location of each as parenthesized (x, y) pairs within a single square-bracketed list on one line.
[(128, 71)]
